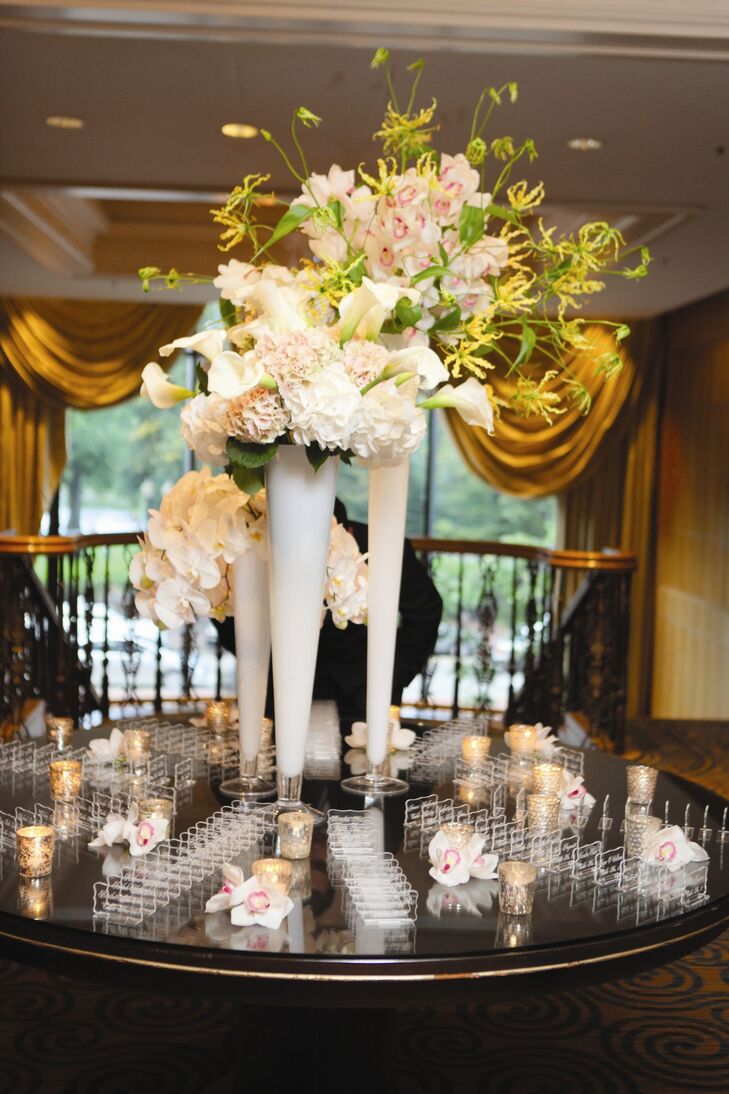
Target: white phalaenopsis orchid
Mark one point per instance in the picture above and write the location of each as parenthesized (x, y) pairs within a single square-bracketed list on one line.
[(230, 893), (400, 739), (455, 865), (141, 837), (574, 792), (260, 904), (232, 374), (671, 848), (106, 750), (159, 389), (471, 401)]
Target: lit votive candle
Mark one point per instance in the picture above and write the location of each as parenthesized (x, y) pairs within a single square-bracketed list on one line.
[(266, 734), (458, 835), (35, 897), (641, 782), (274, 872), (517, 881), (638, 833), (217, 716), (35, 845), (59, 731), (155, 807), (475, 749), (137, 745), (547, 778), (543, 812), (295, 830), (65, 777), (522, 739)]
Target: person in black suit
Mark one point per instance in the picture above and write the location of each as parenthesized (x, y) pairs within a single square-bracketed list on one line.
[(341, 663)]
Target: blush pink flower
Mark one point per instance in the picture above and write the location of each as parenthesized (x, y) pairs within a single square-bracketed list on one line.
[(257, 417)]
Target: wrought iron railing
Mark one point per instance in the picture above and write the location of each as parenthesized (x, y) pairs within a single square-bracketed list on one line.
[(515, 636)]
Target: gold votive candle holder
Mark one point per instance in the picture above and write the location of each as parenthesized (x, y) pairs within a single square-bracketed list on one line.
[(274, 872), (137, 747), (266, 734), (295, 830), (217, 717), (155, 807), (458, 835), (35, 843), (543, 812), (639, 831), (300, 879), (59, 731), (547, 778), (522, 739), (65, 778), (517, 882), (641, 782), (475, 750), (35, 897)]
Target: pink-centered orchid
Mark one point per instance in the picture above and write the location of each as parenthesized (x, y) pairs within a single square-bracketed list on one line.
[(671, 848), (574, 792), (260, 904), (456, 865), (229, 893)]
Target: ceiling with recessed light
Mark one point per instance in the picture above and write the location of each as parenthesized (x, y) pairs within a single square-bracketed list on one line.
[(81, 209)]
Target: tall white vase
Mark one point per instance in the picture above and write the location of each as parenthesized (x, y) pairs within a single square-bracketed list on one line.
[(300, 506), (387, 512), (251, 619)]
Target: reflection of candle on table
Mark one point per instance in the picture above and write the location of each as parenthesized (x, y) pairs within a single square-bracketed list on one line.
[(35, 844), (137, 744), (60, 731), (35, 897), (475, 749)]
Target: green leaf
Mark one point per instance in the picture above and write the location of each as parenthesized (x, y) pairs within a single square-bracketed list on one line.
[(528, 342), (316, 455), (470, 225), (407, 314), (294, 216), (338, 210), (449, 321), (355, 272), (432, 271), (249, 455), (502, 214), (248, 479), (202, 379), (227, 312)]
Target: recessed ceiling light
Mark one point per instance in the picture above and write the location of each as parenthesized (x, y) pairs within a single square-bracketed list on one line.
[(584, 144), (64, 121), (239, 129)]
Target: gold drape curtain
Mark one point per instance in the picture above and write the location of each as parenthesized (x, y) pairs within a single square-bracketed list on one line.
[(603, 467), (66, 353)]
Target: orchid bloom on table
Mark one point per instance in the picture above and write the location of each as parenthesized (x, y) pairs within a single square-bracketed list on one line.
[(456, 865), (141, 837), (400, 740), (260, 904), (230, 893), (574, 792), (106, 750), (671, 848)]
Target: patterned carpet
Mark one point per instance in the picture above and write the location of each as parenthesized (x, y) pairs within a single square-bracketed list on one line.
[(664, 1031)]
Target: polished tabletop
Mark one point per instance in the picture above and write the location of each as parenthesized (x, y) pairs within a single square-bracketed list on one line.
[(458, 933)]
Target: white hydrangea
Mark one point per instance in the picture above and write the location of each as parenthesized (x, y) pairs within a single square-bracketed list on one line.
[(323, 409), (204, 428), (389, 426)]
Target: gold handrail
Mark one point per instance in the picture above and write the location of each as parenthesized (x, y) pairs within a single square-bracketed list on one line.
[(606, 562)]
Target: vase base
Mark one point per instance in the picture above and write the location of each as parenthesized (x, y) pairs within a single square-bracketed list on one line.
[(247, 788), (374, 786), (289, 805)]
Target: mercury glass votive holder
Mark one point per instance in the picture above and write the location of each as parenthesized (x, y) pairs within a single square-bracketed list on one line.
[(641, 782), (458, 835), (295, 830), (35, 897), (137, 747), (517, 882), (547, 778), (217, 716), (638, 833), (475, 750), (274, 872), (155, 807), (522, 739), (543, 812), (59, 731), (35, 844), (65, 778)]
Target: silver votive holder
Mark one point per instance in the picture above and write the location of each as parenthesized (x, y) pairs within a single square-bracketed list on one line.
[(543, 812), (217, 717), (547, 778), (65, 778), (35, 844), (137, 748), (641, 782), (155, 807), (274, 872), (522, 739), (475, 750), (35, 897), (458, 835), (639, 831), (59, 731), (517, 882), (513, 931), (295, 831)]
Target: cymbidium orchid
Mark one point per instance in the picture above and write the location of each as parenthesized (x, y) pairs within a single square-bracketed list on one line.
[(574, 792), (105, 750), (140, 836), (230, 893), (455, 865), (671, 848), (260, 904)]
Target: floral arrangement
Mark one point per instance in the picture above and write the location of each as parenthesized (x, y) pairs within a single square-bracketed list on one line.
[(140, 836), (204, 523), (428, 267)]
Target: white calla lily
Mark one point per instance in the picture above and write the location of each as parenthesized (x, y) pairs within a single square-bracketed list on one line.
[(421, 360), (380, 299), (208, 343), (232, 374), (279, 307), (470, 399), (159, 390)]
